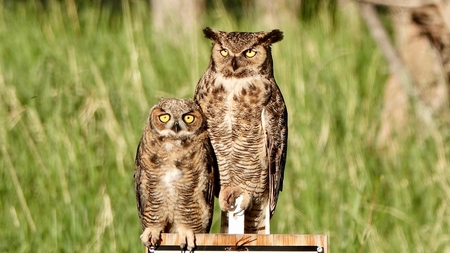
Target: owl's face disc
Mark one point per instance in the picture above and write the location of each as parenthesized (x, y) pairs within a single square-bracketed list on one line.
[(242, 54), (238, 61), (176, 118)]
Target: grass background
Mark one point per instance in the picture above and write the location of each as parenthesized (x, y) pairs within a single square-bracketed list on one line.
[(76, 87)]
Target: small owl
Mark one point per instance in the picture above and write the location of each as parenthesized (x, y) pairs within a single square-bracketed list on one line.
[(247, 123), (174, 174)]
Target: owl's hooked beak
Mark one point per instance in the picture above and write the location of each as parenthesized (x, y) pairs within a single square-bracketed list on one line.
[(234, 63), (176, 127)]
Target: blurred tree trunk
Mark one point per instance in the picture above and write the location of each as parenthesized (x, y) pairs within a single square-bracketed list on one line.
[(422, 39)]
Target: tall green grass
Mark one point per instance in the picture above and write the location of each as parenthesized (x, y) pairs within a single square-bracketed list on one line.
[(76, 87)]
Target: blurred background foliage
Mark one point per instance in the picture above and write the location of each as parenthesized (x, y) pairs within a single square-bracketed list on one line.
[(77, 79)]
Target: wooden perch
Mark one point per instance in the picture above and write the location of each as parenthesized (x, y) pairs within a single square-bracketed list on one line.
[(248, 242)]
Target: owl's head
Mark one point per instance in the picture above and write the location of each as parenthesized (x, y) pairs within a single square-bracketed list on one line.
[(176, 118), (242, 54)]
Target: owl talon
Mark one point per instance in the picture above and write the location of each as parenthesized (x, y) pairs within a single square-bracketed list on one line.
[(231, 201), (234, 198), (150, 238), (189, 239), (238, 212), (155, 241)]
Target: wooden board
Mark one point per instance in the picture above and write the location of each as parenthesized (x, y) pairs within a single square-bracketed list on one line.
[(248, 242)]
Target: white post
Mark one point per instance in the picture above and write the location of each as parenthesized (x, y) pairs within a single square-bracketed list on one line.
[(236, 218), (267, 219)]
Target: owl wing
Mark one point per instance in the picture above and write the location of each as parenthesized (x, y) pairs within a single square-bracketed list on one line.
[(276, 131), (141, 197), (212, 186), (213, 182)]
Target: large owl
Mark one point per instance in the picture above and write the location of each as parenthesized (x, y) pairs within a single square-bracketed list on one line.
[(174, 174), (247, 123)]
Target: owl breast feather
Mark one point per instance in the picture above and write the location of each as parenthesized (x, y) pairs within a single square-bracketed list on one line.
[(236, 128)]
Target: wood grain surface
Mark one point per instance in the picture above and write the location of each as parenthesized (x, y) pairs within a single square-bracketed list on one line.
[(250, 240)]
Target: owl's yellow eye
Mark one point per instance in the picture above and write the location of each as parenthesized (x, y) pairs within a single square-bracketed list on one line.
[(224, 52), (250, 53), (164, 118), (188, 118)]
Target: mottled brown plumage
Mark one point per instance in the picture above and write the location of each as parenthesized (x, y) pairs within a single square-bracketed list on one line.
[(247, 122), (174, 173)]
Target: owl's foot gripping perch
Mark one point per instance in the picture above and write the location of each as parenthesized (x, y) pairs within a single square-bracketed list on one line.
[(187, 239), (234, 199), (151, 237)]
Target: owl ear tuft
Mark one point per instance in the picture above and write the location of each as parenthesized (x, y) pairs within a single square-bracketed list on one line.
[(271, 37), (211, 34)]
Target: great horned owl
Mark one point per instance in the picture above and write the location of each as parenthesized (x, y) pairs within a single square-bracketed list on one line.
[(247, 123), (174, 174)]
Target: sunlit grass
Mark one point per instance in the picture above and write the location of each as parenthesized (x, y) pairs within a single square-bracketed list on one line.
[(75, 89)]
